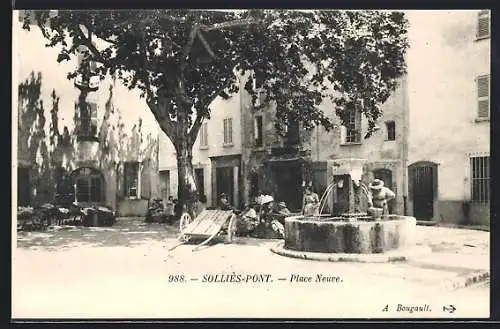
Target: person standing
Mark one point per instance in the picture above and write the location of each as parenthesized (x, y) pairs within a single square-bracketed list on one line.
[(380, 196), (169, 209), (310, 202)]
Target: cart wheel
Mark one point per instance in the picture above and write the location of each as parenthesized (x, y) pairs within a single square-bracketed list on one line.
[(186, 219), (231, 229)]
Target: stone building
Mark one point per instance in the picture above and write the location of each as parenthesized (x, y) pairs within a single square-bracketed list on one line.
[(282, 165), (101, 151), (431, 148), (449, 142)]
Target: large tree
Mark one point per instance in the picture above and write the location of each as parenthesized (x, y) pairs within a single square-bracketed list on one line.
[(181, 60)]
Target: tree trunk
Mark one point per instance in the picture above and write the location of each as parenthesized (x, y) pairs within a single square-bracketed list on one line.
[(186, 190)]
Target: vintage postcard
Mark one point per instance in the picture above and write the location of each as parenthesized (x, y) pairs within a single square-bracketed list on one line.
[(299, 164)]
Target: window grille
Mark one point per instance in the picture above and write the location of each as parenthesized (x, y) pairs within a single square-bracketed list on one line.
[(480, 179)]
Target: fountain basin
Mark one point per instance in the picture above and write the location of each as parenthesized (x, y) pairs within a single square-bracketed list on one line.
[(349, 235)]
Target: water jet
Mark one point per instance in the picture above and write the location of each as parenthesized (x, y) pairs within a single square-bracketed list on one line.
[(348, 230)]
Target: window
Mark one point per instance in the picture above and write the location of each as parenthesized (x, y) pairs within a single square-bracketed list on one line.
[(88, 121), (483, 24), (228, 131), (391, 130), (480, 179), (165, 183), (352, 131), (132, 179), (483, 97), (204, 135), (257, 130), (89, 185)]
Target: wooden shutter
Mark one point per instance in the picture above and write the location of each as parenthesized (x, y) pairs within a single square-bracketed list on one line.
[(357, 123), (225, 131), (343, 134), (228, 131), (483, 25), (144, 171), (93, 119), (483, 91), (120, 181)]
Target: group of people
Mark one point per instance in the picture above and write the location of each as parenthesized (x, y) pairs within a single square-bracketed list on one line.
[(379, 197), (261, 216)]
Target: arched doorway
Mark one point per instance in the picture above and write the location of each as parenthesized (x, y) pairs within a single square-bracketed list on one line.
[(89, 185), (386, 176), (423, 188)]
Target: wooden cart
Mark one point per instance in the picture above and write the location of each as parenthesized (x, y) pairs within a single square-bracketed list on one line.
[(208, 225)]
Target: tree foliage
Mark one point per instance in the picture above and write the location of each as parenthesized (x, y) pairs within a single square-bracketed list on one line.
[(47, 149), (182, 59)]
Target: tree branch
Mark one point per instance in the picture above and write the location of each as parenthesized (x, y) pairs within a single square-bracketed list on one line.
[(201, 114), (86, 42), (206, 45), (230, 24), (214, 95), (196, 127), (162, 117), (188, 46)]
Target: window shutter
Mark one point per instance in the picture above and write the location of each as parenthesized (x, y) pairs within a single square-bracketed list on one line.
[(145, 191), (230, 130), (225, 130), (120, 181), (255, 129), (93, 119), (204, 135), (483, 90), (358, 128), (343, 133)]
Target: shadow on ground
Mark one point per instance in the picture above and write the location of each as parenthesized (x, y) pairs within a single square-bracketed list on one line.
[(126, 232)]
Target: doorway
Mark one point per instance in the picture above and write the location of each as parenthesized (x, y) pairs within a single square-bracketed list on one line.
[(23, 186), (165, 184), (224, 183), (385, 175), (288, 184), (423, 179), (200, 181)]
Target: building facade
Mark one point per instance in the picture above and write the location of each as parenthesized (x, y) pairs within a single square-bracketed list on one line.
[(99, 150), (431, 148), (449, 141), (282, 165)]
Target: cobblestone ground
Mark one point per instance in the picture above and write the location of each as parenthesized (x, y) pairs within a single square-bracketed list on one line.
[(124, 271)]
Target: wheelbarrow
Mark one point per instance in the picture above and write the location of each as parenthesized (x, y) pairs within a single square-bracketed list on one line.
[(209, 224)]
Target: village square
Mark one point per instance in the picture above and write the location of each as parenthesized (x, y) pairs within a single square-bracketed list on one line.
[(251, 164)]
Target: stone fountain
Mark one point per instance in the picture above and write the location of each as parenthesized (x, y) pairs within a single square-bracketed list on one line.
[(348, 232)]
